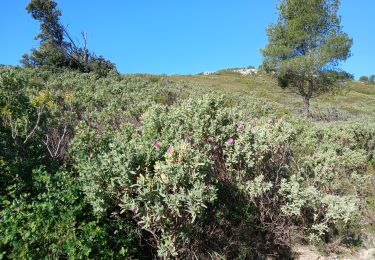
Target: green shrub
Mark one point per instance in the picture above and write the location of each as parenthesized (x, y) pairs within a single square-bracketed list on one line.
[(138, 166), (168, 172), (54, 221)]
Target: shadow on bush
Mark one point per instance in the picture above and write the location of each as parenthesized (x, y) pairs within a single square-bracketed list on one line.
[(231, 228), (329, 115)]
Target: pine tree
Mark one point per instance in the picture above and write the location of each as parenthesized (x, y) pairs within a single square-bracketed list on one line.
[(306, 46), (57, 48), (52, 50)]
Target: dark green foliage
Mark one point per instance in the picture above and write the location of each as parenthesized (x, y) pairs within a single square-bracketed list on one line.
[(45, 11), (43, 211), (52, 51), (53, 220), (344, 76), (370, 79), (18, 153), (99, 65), (364, 79), (57, 49)]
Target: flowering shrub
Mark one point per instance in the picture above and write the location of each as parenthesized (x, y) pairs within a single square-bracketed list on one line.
[(166, 173), (165, 190), (45, 213), (139, 166)]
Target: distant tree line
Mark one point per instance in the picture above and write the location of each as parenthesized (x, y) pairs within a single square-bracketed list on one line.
[(57, 49), (370, 79)]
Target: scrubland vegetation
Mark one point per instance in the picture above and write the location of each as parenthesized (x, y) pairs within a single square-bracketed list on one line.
[(99, 165), (190, 166)]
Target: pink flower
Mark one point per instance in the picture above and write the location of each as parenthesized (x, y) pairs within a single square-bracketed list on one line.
[(230, 140), (153, 140), (240, 126), (170, 149), (157, 145), (133, 210), (270, 120)]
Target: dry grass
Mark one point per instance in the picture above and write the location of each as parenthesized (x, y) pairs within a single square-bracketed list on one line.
[(354, 99)]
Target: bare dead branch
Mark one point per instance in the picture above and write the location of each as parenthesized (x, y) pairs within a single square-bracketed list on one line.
[(60, 139), (85, 51), (35, 126), (46, 143)]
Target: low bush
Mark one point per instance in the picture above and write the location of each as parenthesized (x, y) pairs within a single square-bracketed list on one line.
[(167, 175), (139, 166), (54, 221)]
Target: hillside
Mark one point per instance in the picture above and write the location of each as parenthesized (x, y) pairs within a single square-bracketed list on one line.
[(216, 166), (231, 164), (351, 100)]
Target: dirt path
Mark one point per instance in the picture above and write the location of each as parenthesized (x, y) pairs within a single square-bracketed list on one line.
[(306, 253)]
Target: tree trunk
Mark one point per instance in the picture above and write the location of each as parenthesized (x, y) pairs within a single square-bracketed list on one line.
[(306, 106)]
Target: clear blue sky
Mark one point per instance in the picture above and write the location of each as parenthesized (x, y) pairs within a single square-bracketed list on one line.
[(178, 36)]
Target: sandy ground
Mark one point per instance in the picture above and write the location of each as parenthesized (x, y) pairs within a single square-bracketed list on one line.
[(306, 253)]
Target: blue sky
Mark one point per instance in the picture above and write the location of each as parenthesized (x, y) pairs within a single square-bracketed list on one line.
[(178, 36)]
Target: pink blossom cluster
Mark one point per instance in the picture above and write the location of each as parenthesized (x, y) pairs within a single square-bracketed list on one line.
[(230, 140), (240, 126), (157, 144), (170, 149)]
